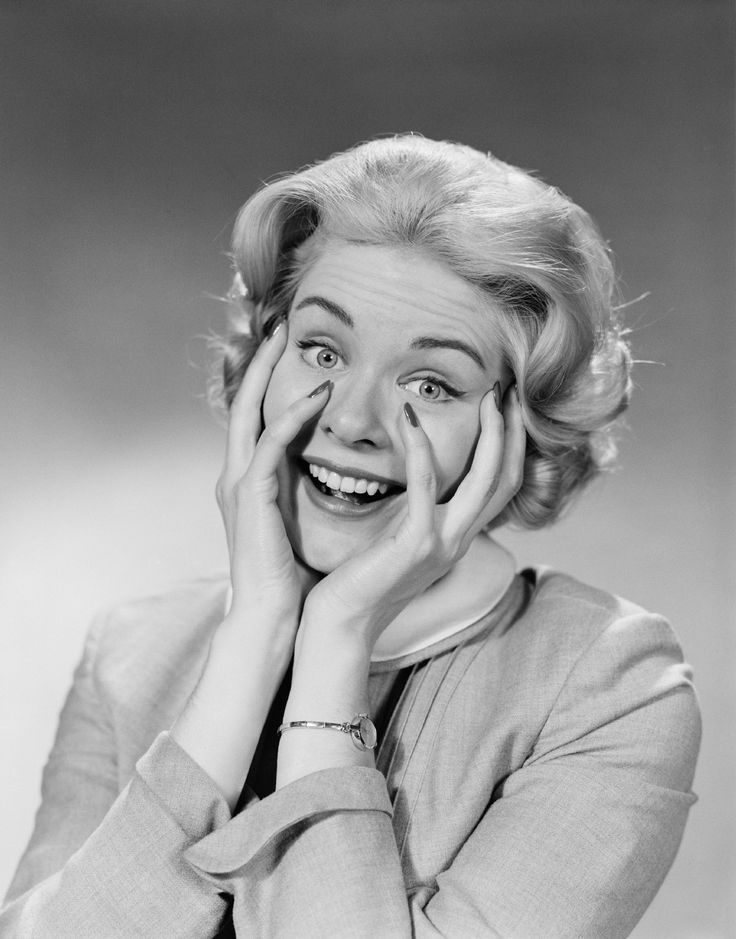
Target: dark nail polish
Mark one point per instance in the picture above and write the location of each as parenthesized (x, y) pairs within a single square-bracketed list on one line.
[(320, 388), (497, 396), (274, 327), (410, 415)]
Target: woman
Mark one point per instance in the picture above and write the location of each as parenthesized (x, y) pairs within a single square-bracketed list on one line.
[(377, 727)]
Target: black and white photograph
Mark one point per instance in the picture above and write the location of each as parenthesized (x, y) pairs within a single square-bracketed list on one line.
[(368, 505)]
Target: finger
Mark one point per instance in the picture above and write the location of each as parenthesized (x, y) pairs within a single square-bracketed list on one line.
[(480, 483), (421, 480), (277, 435), (245, 414), (512, 466), (512, 473)]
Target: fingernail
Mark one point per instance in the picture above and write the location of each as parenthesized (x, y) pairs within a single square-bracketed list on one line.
[(497, 396), (275, 327), (320, 388), (410, 415)]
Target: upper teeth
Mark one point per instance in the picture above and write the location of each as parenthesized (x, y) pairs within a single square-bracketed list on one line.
[(346, 483)]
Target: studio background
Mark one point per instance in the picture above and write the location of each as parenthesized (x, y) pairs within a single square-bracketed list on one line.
[(131, 133)]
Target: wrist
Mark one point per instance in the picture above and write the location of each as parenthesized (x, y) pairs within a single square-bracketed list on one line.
[(349, 634), (329, 683), (258, 633), (337, 645), (330, 674), (220, 725)]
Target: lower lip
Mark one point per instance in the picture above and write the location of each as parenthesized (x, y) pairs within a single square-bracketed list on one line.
[(340, 507)]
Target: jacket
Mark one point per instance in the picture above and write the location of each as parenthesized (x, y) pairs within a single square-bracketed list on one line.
[(533, 783)]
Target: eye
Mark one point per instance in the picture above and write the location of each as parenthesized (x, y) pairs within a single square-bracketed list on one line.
[(326, 358), (431, 389), (318, 354)]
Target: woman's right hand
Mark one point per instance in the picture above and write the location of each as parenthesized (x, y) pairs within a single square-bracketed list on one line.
[(267, 581), (223, 719)]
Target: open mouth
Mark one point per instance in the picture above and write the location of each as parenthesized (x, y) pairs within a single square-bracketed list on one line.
[(352, 489)]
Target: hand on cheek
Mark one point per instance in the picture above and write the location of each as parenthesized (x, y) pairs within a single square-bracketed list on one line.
[(262, 569), (370, 589)]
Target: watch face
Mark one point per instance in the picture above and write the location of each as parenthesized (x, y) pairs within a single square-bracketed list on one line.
[(367, 733)]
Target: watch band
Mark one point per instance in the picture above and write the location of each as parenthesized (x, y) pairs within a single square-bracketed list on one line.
[(362, 730)]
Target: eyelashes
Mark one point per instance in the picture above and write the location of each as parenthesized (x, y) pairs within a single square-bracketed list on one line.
[(313, 350), (427, 387)]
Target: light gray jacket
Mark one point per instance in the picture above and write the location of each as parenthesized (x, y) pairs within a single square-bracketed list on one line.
[(533, 783)]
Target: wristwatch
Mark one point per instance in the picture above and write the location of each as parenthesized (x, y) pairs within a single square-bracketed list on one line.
[(361, 729)]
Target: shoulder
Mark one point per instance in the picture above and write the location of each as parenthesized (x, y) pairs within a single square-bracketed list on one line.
[(145, 655), (163, 622), (565, 619), (575, 658), (559, 593), (557, 626)]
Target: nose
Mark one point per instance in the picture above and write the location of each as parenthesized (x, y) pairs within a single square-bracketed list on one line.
[(356, 414)]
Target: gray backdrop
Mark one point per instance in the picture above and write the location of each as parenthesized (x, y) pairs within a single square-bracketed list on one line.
[(131, 132)]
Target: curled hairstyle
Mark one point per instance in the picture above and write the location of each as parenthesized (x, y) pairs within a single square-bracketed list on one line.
[(535, 255)]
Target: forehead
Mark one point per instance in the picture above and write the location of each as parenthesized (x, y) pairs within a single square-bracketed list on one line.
[(401, 286)]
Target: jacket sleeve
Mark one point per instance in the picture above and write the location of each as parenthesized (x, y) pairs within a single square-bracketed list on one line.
[(575, 843), (103, 864)]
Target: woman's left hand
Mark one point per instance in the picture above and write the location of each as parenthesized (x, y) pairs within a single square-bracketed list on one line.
[(367, 592)]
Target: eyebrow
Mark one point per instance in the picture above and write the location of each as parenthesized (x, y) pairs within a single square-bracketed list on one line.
[(434, 342), (329, 307), (421, 342)]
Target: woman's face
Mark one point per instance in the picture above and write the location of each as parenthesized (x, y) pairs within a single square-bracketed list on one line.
[(387, 326)]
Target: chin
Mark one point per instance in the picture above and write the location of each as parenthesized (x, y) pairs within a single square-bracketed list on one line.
[(324, 555)]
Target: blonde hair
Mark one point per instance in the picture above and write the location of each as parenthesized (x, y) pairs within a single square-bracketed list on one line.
[(536, 254)]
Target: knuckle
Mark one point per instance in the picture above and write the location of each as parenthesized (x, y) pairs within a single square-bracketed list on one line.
[(425, 478), (223, 486)]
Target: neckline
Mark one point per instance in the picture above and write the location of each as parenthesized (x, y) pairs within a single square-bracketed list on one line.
[(505, 611), (471, 589), (449, 611)]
